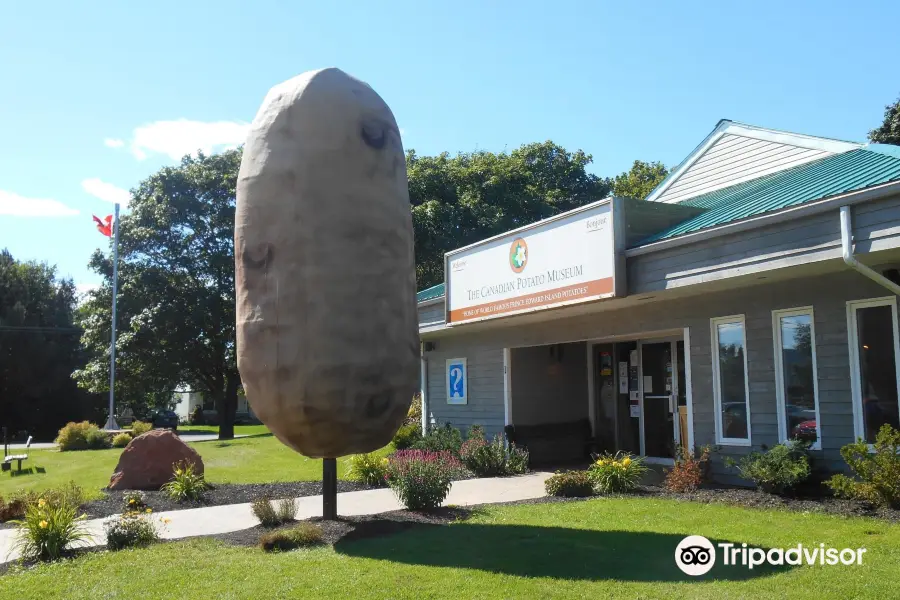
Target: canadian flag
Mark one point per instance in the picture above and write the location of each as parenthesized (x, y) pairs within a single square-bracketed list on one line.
[(104, 225)]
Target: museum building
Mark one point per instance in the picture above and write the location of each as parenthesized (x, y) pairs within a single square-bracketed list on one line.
[(750, 299)]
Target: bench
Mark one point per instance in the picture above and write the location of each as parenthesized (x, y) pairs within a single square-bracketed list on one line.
[(8, 459)]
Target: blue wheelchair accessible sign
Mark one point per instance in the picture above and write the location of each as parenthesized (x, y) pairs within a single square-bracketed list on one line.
[(456, 381)]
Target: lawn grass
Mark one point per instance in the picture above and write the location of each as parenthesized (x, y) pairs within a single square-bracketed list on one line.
[(600, 548), (259, 459)]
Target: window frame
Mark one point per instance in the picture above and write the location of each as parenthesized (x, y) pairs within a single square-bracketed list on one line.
[(859, 428), (717, 388), (777, 315)]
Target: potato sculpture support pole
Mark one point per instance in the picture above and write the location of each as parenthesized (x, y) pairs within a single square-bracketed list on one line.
[(329, 489), (325, 279)]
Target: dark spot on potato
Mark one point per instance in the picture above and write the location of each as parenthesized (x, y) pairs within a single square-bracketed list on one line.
[(376, 406), (252, 262), (373, 134)]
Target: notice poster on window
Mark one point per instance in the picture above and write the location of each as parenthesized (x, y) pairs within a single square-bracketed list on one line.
[(648, 384), (636, 410), (623, 377)]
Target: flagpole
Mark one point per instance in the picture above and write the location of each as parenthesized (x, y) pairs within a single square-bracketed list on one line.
[(111, 421)]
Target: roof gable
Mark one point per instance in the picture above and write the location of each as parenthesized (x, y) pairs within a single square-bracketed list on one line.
[(735, 153)]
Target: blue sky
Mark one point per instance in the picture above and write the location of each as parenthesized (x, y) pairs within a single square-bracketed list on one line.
[(95, 97)]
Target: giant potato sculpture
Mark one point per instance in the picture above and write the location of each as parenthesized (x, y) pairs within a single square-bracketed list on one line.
[(327, 334)]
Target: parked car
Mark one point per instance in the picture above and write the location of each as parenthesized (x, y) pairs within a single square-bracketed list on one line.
[(165, 419)]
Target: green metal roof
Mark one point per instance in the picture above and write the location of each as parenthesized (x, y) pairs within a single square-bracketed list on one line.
[(816, 180), (431, 293)]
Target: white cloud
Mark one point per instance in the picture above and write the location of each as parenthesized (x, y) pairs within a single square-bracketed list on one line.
[(20, 206), (113, 143), (83, 288), (183, 136), (106, 191)]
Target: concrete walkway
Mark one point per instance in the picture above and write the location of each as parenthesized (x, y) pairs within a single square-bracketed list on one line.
[(186, 438), (234, 517)]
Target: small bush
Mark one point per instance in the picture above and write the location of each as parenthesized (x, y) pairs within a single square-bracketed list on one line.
[(287, 509), (569, 484), (69, 494), (687, 473), (414, 414), (421, 479), (48, 530), (272, 515), (489, 459), (264, 511), (441, 439), (777, 470), (878, 473), (134, 501), (120, 440), (369, 469), (196, 416), (140, 428), (82, 436), (616, 473), (407, 436), (186, 485), (131, 530), (304, 534)]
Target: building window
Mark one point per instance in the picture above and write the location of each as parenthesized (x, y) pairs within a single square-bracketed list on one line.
[(730, 389), (872, 327), (795, 373)]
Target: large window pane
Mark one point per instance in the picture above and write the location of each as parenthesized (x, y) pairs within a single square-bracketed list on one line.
[(877, 368), (798, 377), (732, 378)]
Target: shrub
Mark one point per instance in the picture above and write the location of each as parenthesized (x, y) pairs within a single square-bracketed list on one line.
[(421, 479), (47, 530), (441, 439), (120, 440), (570, 484), (414, 414), (132, 529), (407, 436), (81, 436), (69, 494), (140, 428), (369, 469), (304, 534), (185, 484), (616, 473), (264, 511), (196, 416), (271, 515), (878, 472), (490, 459), (777, 470), (687, 473), (134, 500)]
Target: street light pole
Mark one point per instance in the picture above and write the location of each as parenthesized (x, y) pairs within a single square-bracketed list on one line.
[(111, 421)]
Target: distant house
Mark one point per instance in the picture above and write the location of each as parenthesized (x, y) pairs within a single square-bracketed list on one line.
[(187, 400)]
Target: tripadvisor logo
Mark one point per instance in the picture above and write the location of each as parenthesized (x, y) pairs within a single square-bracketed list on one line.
[(518, 255), (695, 555)]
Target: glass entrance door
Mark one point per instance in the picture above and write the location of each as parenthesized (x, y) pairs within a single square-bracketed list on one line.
[(660, 377)]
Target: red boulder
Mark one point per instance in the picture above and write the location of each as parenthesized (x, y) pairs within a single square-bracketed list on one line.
[(148, 461)]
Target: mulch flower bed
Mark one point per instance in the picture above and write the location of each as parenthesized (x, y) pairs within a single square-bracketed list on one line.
[(218, 495)]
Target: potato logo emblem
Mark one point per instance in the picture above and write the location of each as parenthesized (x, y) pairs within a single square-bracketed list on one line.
[(327, 331), (518, 255)]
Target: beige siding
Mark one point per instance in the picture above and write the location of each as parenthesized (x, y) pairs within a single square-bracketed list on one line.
[(733, 159)]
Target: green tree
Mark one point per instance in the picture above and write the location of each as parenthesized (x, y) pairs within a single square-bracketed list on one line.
[(39, 349), (176, 305), (889, 131), (638, 182), (466, 198)]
